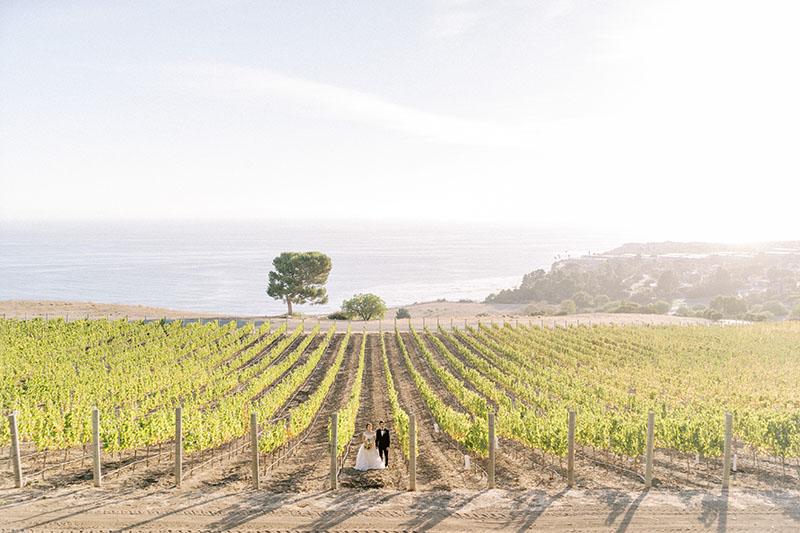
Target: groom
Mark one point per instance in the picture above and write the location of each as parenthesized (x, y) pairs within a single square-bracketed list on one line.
[(382, 440)]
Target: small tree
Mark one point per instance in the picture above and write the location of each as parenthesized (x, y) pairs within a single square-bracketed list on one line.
[(583, 299), (668, 283), (298, 278), (365, 306), (776, 308), (567, 307), (661, 307), (402, 313), (600, 300)]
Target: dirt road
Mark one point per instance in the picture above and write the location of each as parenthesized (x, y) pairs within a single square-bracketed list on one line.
[(101, 510)]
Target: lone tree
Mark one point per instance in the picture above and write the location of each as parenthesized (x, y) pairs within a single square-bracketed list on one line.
[(298, 278), (365, 306)]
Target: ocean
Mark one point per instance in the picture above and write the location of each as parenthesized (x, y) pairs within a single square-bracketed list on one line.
[(222, 267)]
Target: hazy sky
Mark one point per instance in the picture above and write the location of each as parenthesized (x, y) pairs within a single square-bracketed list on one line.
[(681, 118)]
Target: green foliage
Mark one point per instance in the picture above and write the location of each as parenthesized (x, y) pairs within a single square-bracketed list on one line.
[(668, 283), (762, 316), (398, 415), (600, 300), (775, 307), (583, 300), (298, 278), (567, 307), (338, 315), (456, 424), (630, 307), (661, 307), (403, 313), (536, 310), (729, 306), (364, 306), (347, 414)]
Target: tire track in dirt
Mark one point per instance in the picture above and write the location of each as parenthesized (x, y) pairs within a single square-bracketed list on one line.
[(439, 466), (373, 407)]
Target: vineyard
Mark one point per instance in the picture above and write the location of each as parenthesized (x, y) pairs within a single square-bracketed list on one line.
[(253, 404)]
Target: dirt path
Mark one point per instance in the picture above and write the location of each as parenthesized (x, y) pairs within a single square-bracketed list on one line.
[(102, 510), (374, 407), (439, 465), (308, 469)]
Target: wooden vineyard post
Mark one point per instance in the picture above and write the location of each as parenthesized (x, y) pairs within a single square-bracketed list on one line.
[(97, 474), (571, 450), (15, 460), (726, 461), (178, 446), (412, 452), (334, 455), (254, 448), (648, 474), (491, 451)]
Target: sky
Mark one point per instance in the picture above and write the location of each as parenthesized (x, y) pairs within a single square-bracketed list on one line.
[(679, 119)]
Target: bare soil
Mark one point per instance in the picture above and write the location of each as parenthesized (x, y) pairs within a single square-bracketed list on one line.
[(91, 510)]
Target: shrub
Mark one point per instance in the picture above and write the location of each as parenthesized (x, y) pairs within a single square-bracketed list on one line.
[(730, 306), (338, 315), (583, 299), (628, 307), (402, 313), (610, 306), (661, 307), (364, 306), (535, 310), (711, 314), (601, 299), (567, 307), (763, 316), (776, 308)]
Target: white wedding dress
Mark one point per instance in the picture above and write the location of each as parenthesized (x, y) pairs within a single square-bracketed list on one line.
[(369, 459)]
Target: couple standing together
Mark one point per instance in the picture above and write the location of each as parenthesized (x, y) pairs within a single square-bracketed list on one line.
[(374, 452)]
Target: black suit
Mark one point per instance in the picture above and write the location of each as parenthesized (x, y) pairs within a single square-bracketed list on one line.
[(382, 440)]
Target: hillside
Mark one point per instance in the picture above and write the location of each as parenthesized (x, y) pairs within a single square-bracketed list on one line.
[(757, 282)]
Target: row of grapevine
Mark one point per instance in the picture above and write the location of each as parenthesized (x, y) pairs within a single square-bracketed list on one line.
[(399, 416), (276, 434), (460, 427), (347, 414)]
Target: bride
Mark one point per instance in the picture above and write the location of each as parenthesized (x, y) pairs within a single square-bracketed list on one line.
[(368, 457)]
